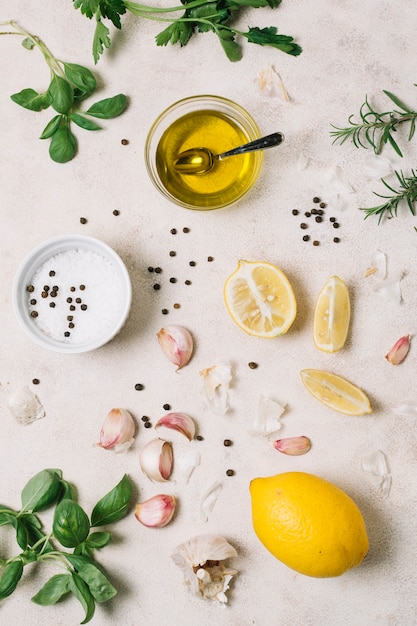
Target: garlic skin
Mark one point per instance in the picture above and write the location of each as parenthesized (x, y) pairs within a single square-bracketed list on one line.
[(209, 499), (375, 464), (156, 460), (201, 561), (267, 418), (25, 406), (156, 512), (293, 446), (176, 343), (117, 431), (180, 422), (407, 408), (399, 350), (217, 380)]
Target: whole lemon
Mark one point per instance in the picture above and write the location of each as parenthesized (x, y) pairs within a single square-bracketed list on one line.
[(308, 523)]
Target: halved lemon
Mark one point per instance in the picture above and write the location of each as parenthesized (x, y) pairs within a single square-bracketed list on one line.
[(260, 299), (331, 316), (336, 392)]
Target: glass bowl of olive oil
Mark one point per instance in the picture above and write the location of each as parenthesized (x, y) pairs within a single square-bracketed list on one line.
[(211, 122)]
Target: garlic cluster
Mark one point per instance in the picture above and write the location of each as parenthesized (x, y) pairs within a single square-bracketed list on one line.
[(117, 431), (201, 560), (176, 343)]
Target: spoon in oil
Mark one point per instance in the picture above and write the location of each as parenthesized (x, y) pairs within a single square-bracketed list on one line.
[(201, 160)]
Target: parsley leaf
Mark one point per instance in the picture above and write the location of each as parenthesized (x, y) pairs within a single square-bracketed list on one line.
[(269, 37)]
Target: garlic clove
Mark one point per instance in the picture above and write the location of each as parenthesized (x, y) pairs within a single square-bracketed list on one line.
[(201, 560), (293, 446), (117, 431), (181, 422), (399, 350), (156, 512), (156, 460), (176, 343)]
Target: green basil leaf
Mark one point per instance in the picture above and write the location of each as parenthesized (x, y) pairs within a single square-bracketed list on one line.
[(31, 99), (61, 94), (22, 536), (67, 491), (114, 505), (99, 539), (63, 145), (53, 590), (80, 77), (34, 532), (78, 561), (11, 576), (7, 517), (108, 108), (100, 587), (81, 591), (51, 127), (41, 491), (29, 556), (83, 122), (71, 524)]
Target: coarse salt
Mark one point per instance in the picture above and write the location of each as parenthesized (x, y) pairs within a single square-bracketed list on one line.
[(99, 300)]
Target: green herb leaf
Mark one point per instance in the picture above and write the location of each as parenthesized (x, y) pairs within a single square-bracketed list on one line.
[(80, 77), (84, 122), (53, 590), (100, 587), (71, 524), (29, 556), (7, 517), (229, 45), (10, 578), (88, 7), (67, 491), (28, 43), (178, 32), (269, 37), (108, 108), (41, 491), (101, 40), (81, 591), (61, 94), (397, 101), (51, 127), (63, 145), (31, 99), (99, 539), (114, 505), (78, 561)]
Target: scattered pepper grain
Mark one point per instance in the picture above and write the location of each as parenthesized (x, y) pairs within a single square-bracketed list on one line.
[(158, 270), (52, 305), (307, 214), (316, 200), (316, 242), (139, 387), (323, 205), (172, 253), (166, 407), (176, 305), (157, 286), (164, 311), (83, 220), (147, 425), (83, 307), (185, 230), (36, 381), (306, 237), (30, 288), (199, 438), (67, 333), (318, 218), (303, 225), (32, 301), (151, 269), (144, 418), (173, 231), (52, 273), (116, 212), (187, 282), (172, 280), (336, 239), (34, 314), (124, 142), (336, 224), (227, 443), (230, 472), (210, 259), (252, 365), (192, 263)]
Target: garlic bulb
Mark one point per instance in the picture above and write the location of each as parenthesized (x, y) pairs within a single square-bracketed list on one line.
[(176, 343), (117, 431), (25, 406), (156, 460), (201, 560), (181, 422), (156, 512)]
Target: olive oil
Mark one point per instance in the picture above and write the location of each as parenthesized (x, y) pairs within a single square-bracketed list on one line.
[(227, 181)]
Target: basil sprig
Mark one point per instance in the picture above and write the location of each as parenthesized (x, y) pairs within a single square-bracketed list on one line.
[(72, 528), (70, 84)]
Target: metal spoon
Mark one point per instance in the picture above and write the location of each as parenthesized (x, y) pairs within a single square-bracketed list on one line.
[(201, 160)]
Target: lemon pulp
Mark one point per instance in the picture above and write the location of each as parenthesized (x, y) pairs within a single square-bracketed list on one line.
[(336, 392), (260, 299), (332, 316)]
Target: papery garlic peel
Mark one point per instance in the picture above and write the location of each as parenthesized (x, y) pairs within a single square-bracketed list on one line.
[(180, 422), (399, 350), (156, 460), (176, 343), (156, 512), (117, 430)]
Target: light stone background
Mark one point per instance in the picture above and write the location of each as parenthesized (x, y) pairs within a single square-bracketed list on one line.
[(351, 48)]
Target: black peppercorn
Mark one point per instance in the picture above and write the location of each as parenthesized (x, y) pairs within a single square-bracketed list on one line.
[(44, 294), (185, 230), (172, 253), (199, 438), (252, 365), (52, 273), (30, 288), (336, 225), (164, 311), (144, 418), (72, 288), (139, 387), (187, 282), (295, 211), (83, 220), (336, 239), (173, 231), (172, 280), (124, 142), (316, 243), (227, 443), (307, 214), (67, 334), (332, 219), (36, 381), (322, 204), (52, 305), (116, 212), (82, 287), (318, 218), (32, 301), (71, 325), (78, 300), (230, 472), (316, 200), (192, 263), (69, 300), (303, 225), (150, 269), (158, 270), (176, 305), (306, 237), (147, 425), (70, 318), (72, 307), (157, 286), (34, 314), (166, 407)]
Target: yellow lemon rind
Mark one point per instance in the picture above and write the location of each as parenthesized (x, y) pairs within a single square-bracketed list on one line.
[(356, 401)]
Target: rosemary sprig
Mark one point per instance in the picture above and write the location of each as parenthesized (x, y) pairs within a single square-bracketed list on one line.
[(376, 128), (407, 192)]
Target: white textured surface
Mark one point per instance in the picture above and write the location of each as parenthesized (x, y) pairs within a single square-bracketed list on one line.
[(351, 48)]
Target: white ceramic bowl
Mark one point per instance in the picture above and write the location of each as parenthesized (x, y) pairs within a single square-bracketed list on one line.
[(93, 254)]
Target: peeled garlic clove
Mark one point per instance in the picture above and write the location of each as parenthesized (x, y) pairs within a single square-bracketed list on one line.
[(176, 343), (117, 431), (201, 560), (399, 350), (156, 460), (293, 446), (181, 422), (156, 512)]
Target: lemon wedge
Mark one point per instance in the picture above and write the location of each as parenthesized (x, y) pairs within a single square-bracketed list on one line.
[(331, 316), (336, 392), (260, 299)]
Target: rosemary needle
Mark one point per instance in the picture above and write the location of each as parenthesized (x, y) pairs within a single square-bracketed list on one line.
[(407, 192)]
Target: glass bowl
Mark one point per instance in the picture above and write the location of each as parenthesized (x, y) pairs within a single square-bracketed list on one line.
[(72, 294), (205, 121)]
